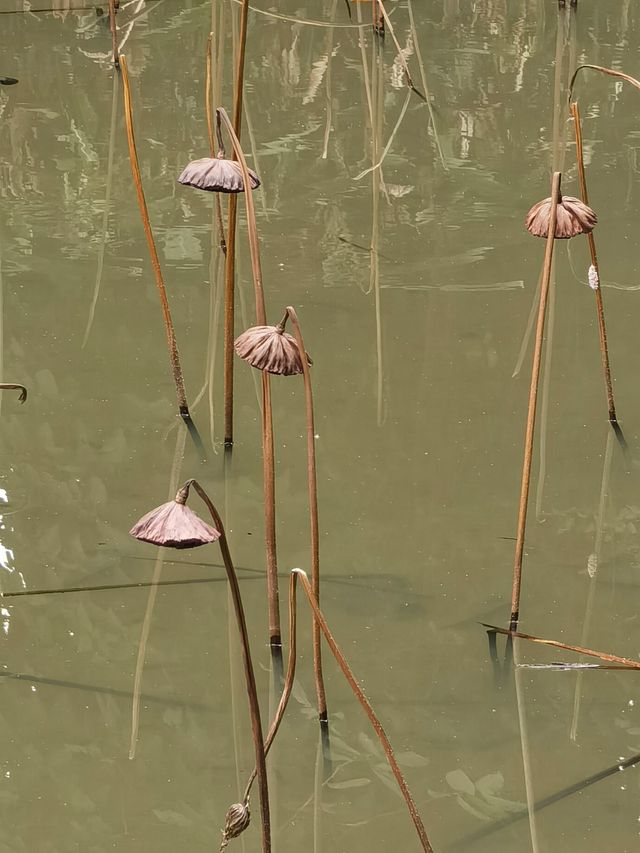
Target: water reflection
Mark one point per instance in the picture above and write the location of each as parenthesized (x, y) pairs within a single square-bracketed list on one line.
[(415, 283)]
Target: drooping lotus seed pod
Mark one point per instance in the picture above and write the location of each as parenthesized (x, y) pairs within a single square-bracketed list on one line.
[(174, 525), (270, 348), (573, 217), (216, 174), (236, 821)]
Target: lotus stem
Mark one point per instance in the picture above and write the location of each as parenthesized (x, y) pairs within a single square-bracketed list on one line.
[(114, 35), (275, 634), (254, 707), (230, 268), (212, 144), (602, 329), (295, 576), (368, 709), (378, 18), (386, 21), (155, 262), (628, 663), (14, 386), (531, 415), (312, 486)]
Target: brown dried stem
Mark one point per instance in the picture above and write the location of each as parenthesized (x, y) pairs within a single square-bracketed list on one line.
[(212, 141), (298, 574), (609, 71), (312, 485), (387, 20), (602, 329), (114, 35), (533, 399), (254, 707), (628, 663), (155, 262), (275, 637), (13, 386), (230, 268)]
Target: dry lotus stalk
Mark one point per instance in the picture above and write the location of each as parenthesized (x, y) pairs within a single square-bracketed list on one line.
[(236, 821), (215, 174), (573, 217), (174, 525), (270, 348)]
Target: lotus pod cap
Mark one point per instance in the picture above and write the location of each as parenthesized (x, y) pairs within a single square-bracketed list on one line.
[(174, 525), (216, 174), (270, 348), (573, 217)]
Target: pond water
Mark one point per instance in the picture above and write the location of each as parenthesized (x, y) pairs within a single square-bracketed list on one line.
[(419, 421)]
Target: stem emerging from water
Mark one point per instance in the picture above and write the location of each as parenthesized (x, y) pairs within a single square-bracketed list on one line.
[(295, 576), (602, 329), (254, 707), (230, 269), (275, 635), (533, 399), (155, 262), (312, 483)]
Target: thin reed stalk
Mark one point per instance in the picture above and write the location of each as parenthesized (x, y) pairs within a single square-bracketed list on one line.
[(312, 487), (174, 357), (230, 269), (597, 289), (295, 576), (268, 461), (593, 568), (533, 399), (105, 213), (114, 34), (386, 20), (178, 456), (423, 78)]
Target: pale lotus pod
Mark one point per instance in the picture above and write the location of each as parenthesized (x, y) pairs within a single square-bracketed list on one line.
[(174, 525), (270, 348), (216, 174), (573, 217)]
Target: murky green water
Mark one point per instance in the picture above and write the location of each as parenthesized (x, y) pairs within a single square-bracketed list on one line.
[(420, 428)]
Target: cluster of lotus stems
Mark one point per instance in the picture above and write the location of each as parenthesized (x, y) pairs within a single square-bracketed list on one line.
[(273, 351)]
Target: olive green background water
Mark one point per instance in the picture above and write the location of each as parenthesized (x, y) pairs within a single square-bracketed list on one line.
[(420, 426)]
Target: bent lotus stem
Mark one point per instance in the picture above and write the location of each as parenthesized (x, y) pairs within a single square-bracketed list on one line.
[(312, 485), (595, 275), (174, 356), (275, 634), (299, 575), (625, 663), (13, 386), (254, 707), (533, 400)]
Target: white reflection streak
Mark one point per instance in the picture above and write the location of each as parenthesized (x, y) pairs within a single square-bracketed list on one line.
[(5, 619)]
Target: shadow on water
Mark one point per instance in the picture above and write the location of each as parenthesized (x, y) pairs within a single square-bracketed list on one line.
[(96, 688)]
